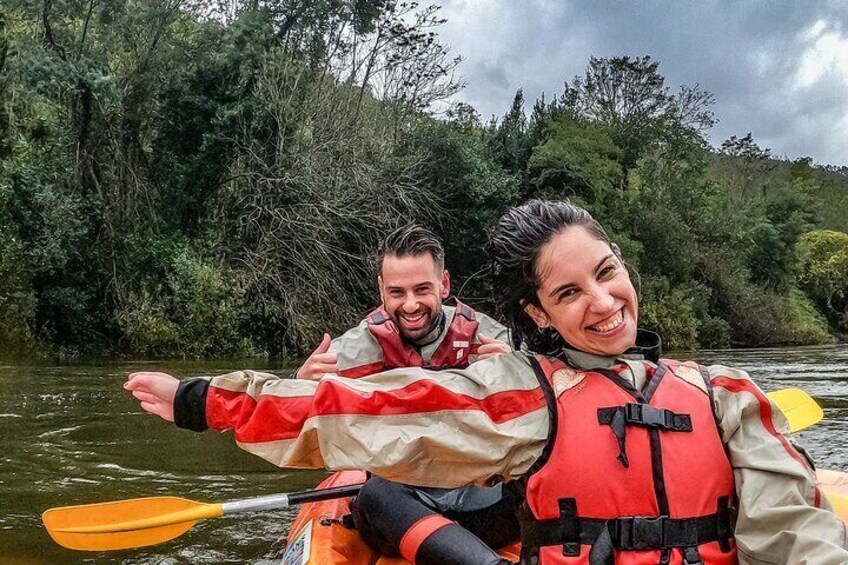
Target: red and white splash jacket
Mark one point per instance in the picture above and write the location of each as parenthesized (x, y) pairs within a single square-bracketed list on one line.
[(376, 345), (493, 421)]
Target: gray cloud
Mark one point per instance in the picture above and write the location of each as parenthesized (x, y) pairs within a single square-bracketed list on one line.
[(778, 69)]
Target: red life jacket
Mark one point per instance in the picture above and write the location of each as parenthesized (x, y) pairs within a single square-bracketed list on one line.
[(652, 483), (453, 351)]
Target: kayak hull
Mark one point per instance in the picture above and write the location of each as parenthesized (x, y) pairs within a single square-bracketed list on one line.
[(318, 538)]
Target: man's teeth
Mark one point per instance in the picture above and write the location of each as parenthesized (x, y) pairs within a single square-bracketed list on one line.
[(609, 325)]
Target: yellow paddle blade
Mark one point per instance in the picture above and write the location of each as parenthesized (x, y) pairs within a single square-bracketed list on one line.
[(125, 523), (839, 503), (800, 409), (834, 484)]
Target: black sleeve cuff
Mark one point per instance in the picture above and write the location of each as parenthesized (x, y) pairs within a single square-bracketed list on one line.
[(190, 405)]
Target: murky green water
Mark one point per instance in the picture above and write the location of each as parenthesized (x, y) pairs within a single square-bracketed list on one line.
[(71, 435)]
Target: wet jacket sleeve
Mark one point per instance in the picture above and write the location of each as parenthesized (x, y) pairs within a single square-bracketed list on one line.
[(783, 516), (491, 328), (446, 429), (358, 352)]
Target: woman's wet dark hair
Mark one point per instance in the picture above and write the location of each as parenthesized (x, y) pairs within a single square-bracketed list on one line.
[(514, 247)]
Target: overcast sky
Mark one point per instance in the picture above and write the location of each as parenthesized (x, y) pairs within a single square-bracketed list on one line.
[(778, 69)]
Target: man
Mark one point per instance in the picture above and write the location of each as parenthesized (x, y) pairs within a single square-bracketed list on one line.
[(414, 328)]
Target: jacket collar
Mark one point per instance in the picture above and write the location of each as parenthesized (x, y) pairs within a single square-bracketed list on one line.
[(648, 348)]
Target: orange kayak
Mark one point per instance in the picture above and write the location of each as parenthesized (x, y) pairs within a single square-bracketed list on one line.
[(318, 538)]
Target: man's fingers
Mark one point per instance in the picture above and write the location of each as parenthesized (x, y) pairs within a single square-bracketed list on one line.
[(145, 396), (324, 346), (325, 368), (315, 371), (159, 410), (323, 358), (491, 347), (143, 379), (486, 339)]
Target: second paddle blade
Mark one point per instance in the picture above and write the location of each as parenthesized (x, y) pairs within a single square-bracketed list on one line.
[(124, 524), (800, 409)]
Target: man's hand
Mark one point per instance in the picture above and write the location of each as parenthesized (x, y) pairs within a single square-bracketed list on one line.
[(489, 347), (156, 391), (319, 362)]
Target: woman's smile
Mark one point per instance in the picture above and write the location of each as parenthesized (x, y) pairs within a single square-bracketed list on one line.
[(614, 322)]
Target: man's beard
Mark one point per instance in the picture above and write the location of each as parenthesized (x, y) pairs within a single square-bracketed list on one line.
[(429, 322)]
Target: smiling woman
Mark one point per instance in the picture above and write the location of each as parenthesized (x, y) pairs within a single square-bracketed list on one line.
[(618, 456), (589, 300)]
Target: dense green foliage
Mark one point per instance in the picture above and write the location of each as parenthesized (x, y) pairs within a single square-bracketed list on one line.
[(823, 273), (209, 178)]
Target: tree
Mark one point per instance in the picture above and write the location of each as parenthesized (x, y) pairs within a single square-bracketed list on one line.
[(744, 167), (630, 97), (576, 159), (507, 139), (475, 192)]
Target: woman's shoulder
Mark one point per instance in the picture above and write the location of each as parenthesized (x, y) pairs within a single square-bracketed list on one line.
[(713, 370)]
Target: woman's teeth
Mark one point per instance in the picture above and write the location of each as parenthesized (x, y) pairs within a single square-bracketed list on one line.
[(610, 324)]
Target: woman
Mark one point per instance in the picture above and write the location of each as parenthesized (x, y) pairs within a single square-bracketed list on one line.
[(617, 456)]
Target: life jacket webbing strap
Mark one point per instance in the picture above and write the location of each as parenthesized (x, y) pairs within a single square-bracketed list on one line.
[(631, 532), (645, 415)]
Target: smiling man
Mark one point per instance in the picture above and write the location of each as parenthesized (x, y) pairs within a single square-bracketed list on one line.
[(412, 327)]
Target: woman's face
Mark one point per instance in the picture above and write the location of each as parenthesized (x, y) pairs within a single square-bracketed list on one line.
[(585, 294)]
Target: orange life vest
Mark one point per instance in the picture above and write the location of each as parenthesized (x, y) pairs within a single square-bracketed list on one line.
[(629, 476), (457, 344)]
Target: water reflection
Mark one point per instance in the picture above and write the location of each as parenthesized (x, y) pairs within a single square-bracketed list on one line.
[(71, 436)]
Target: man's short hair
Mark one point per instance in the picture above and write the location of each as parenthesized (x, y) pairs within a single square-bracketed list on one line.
[(410, 239)]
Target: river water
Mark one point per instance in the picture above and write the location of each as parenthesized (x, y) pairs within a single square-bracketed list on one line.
[(71, 435)]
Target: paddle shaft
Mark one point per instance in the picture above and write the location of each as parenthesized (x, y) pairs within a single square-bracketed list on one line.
[(275, 501)]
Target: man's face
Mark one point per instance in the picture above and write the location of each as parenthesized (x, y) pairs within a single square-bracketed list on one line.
[(412, 289)]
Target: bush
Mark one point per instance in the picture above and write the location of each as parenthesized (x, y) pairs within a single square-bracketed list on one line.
[(823, 272), (761, 316), (679, 314), (196, 310)]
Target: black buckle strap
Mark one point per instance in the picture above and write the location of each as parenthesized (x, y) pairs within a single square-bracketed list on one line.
[(634, 414), (631, 533), (726, 524), (647, 416), (638, 533), (662, 532)]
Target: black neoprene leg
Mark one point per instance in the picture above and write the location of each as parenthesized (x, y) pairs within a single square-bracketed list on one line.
[(384, 511)]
